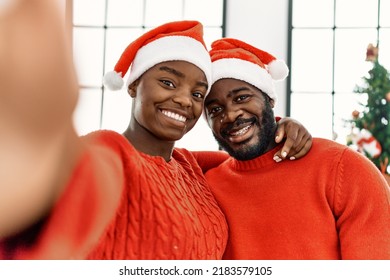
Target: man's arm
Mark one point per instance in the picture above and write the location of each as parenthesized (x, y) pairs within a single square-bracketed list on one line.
[(209, 159), (362, 209)]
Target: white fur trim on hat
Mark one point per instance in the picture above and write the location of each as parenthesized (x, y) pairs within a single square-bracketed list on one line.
[(245, 71), (171, 48)]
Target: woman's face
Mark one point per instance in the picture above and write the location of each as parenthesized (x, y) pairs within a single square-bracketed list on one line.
[(168, 99)]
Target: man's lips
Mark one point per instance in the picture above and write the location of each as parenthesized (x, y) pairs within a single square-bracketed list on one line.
[(239, 131)]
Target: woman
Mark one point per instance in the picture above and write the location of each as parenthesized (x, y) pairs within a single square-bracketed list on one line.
[(107, 195)]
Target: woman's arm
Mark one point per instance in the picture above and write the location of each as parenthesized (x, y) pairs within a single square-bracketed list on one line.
[(38, 145)]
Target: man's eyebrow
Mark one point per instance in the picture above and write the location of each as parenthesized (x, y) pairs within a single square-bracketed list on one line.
[(237, 90), (210, 101), (230, 94)]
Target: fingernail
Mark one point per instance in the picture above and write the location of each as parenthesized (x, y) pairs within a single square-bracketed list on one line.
[(284, 154), (277, 159), (292, 158)]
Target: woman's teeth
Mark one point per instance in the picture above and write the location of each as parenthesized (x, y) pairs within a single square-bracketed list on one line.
[(174, 116)]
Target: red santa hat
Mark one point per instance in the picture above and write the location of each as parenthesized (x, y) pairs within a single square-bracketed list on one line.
[(180, 40), (232, 58)]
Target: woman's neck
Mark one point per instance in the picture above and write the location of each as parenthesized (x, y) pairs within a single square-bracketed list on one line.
[(147, 143)]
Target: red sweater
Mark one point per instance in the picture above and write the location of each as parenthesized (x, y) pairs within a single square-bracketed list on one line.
[(331, 204), (156, 210)]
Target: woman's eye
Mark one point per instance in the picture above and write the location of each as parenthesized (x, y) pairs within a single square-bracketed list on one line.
[(198, 95), (168, 83)]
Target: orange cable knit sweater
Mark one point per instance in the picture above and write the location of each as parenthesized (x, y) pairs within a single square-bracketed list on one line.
[(159, 210), (331, 204)]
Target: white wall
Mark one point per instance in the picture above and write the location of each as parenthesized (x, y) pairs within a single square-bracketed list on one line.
[(264, 24)]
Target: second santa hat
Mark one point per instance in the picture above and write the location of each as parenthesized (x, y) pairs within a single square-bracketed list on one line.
[(232, 58), (179, 40)]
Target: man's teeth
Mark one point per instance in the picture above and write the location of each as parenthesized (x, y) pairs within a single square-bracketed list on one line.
[(241, 131), (174, 116)]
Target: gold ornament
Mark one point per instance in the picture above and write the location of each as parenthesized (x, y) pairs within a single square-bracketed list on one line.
[(388, 96), (355, 114), (372, 53)]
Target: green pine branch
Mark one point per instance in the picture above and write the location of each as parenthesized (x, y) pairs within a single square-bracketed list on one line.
[(376, 114)]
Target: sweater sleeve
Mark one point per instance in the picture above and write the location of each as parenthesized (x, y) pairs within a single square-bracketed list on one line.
[(209, 159), (362, 209)]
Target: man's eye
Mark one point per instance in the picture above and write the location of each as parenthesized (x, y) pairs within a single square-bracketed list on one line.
[(241, 98), (214, 111)]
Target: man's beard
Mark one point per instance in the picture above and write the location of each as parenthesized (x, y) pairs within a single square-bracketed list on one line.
[(265, 136)]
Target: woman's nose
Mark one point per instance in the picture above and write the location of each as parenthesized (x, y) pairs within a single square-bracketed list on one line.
[(183, 99)]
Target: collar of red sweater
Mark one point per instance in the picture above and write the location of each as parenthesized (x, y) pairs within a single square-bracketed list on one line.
[(256, 163)]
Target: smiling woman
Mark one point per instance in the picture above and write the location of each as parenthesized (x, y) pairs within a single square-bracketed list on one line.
[(86, 193), (170, 70)]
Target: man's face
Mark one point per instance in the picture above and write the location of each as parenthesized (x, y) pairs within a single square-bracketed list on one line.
[(241, 118)]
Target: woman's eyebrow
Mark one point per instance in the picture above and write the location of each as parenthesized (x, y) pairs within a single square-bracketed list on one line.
[(172, 70)]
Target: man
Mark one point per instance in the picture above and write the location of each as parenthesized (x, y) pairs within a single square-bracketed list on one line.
[(331, 204)]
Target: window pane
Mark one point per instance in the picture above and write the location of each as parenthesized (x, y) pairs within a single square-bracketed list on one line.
[(116, 41), (314, 111), (208, 12), (314, 13), (384, 48), (211, 34), (89, 12), (200, 138), (312, 57), (352, 13), (385, 13), (125, 13), (116, 110), (344, 105), (87, 114), (154, 14), (350, 56), (88, 54)]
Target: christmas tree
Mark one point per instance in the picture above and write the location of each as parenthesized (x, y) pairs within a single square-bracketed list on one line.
[(371, 129)]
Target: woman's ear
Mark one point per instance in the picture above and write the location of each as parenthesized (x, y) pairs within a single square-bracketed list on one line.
[(132, 89)]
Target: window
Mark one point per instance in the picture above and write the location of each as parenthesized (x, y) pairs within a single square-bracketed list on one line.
[(101, 31), (328, 41)]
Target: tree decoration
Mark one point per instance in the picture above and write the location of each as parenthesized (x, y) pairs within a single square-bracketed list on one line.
[(370, 127)]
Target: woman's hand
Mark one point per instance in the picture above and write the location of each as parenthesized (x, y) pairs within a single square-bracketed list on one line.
[(298, 139)]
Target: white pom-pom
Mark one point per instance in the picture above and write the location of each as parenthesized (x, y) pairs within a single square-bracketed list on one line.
[(278, 69), (113, 80)]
